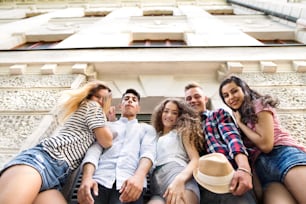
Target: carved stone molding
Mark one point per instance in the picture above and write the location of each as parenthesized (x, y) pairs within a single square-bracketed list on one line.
[(289, 88), (289, 97), (14, 131), (28, 100), (264, 79), (35, 81)]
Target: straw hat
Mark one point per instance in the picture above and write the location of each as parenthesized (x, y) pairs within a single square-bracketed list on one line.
[(214, 172)]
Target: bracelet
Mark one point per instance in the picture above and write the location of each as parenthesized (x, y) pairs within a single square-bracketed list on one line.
[(244, 170)]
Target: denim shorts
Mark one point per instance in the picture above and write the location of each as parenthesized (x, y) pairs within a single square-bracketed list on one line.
[(53, 172), (274, 166), (164, 175)]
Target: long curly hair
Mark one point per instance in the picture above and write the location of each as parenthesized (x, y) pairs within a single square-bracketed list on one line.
[(188, 122), (247, 110), (72, 99)]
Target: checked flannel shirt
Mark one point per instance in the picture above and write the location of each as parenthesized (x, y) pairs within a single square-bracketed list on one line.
[(222, 135)]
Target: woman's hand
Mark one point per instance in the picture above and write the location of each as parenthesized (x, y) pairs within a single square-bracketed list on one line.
[(237, 116), (175, 192)]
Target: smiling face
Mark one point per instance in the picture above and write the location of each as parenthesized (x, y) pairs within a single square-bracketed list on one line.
[(232, 95), (169, 116), (196, 99)]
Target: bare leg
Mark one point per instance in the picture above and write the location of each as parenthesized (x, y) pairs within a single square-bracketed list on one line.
[(21, 180), (295, 182), (191, 197), (50, 197), (156, 200), (277, 193), (257, 188)]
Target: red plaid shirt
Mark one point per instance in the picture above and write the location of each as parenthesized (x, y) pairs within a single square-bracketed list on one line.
[(222, 135)]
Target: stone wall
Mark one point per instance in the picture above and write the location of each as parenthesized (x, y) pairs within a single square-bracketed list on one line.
[(26, 109), (290, 89), (27, 115)]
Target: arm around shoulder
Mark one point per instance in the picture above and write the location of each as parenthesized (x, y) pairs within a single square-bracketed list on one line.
[(104, 136)]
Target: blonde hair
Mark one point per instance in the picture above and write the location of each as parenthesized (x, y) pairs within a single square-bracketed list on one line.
[(191, 85), (74, 98)]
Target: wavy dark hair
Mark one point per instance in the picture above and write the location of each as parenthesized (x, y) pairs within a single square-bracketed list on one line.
[(188, 122), (247, 110)]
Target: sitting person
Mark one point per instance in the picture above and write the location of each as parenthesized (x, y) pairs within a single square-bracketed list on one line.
[(275, 155), (117, 174), (180, 138), (37, 174), (222, 136)]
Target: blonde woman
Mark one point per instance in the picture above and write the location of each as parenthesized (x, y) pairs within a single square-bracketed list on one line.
[(37, 174), (180, 139)]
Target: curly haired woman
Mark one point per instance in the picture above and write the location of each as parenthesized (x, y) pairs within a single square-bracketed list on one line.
[(180, 139)]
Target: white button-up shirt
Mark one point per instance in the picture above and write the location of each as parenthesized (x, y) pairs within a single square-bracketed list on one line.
[(131, 142)]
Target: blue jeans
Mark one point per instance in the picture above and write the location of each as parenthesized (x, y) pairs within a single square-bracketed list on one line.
[(54, 173), (164, 175), (274, 166)]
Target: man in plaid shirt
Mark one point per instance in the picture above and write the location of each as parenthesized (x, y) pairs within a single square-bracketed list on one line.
[(222, 135)]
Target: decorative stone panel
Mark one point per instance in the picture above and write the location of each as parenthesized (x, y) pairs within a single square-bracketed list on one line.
[(289, 97), (287, 87), (274, 79), (29, 100), (295, 124), (35, 81), (14, 130)]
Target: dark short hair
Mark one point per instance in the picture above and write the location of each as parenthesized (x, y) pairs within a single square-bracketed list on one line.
[(132, 91)]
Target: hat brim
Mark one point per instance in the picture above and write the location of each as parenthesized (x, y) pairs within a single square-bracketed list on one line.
[(219, 189)]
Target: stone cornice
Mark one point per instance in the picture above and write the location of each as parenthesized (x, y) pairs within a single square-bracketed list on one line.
[(151, 54), (122, 60)]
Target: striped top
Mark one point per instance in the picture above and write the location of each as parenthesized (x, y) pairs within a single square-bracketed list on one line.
[(76, 135)]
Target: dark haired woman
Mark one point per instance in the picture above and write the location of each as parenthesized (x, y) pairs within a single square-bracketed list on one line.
[(276, 156)]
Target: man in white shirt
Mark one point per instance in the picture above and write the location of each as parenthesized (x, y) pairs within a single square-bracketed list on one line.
[(118, 174)]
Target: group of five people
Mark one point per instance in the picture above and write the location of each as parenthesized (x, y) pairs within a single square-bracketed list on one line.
[(115, 156)]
